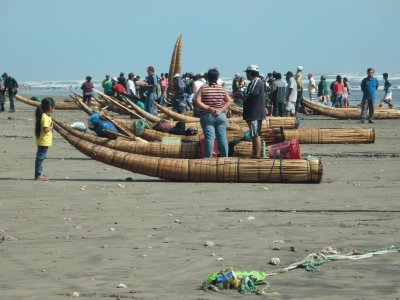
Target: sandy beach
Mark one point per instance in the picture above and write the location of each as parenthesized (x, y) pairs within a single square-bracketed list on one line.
[(89, 230)]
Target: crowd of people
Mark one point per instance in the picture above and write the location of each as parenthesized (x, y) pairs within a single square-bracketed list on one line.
[(206, 95), (261, 95), (286, 98)]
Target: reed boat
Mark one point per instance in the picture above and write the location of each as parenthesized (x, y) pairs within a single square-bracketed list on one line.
[(58, 105), (270, 122), (204, 170), (332, 135), (170, 150), (349, 113)]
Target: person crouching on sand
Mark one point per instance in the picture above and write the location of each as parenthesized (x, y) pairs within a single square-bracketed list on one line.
[(44, 135)]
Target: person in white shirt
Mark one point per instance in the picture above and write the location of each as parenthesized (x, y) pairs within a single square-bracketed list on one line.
[(291, 94), (130, 86), (199, 81), (312, 87)]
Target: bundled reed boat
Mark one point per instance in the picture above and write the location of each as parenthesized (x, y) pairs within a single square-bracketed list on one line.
[(170, 150), (204, 170), (332, 135), (176, 60), (58, 105), (270, 122), (349, 113)]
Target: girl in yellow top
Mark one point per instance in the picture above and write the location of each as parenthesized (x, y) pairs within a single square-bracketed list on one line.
[(44, 134)]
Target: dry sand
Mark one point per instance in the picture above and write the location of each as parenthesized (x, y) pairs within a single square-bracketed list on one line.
[(87, 230)]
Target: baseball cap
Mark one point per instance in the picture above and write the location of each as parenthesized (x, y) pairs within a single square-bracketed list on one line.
[(289, 73), (114, 79), (177, 75), (300, 68), (252, 68)]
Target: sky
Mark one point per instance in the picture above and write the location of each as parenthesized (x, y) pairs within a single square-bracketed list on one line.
[(70, 39)]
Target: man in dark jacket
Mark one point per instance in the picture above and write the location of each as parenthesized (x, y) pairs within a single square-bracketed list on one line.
[(254, 107), (278, 96), (10, 85)]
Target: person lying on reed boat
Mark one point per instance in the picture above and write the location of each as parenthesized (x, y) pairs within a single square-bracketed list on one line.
[(102, 127), (212, 101)]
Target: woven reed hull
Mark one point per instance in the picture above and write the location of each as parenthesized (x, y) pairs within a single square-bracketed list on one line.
[(204, 170), (178, 60), (352, 114), (332, 135), (170, 150), (137, 110), (176, 116), (271, 122), (236, 110), (236, 123), (59, 105), (352, 107), (173, 61), (271, 136), (194, 121)]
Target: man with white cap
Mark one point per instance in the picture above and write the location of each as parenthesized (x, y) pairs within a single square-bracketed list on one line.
[(254, 107), (300, 85)]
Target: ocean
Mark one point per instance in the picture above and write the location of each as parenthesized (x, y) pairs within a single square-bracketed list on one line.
[(65, 87)]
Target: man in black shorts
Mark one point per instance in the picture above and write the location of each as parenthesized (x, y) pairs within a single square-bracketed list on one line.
[(254, 107)]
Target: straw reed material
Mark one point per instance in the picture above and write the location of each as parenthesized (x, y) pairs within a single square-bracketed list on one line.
[(171, 150), (89, 111), (204, 170), (271, 136), (236, 109), (176, 60), (349, 113), (332, 135), (176, 116), (236, 123), (58, 105), (270, 122)]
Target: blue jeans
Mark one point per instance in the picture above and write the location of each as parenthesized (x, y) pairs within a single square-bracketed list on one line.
[(11, 96), (189, 100), (2, 102), (40, 156), (212, 126), (149, 105), (367, 104), (339, 100)]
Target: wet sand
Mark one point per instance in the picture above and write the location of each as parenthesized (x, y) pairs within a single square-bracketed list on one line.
[(88, 230)]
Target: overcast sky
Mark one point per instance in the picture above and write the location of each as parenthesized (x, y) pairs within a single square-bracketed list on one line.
[(60, 40)]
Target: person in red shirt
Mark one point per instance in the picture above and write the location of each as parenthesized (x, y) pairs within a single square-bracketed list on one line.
[(87, 88), (338, 89), (164, 85), (118, 87)]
